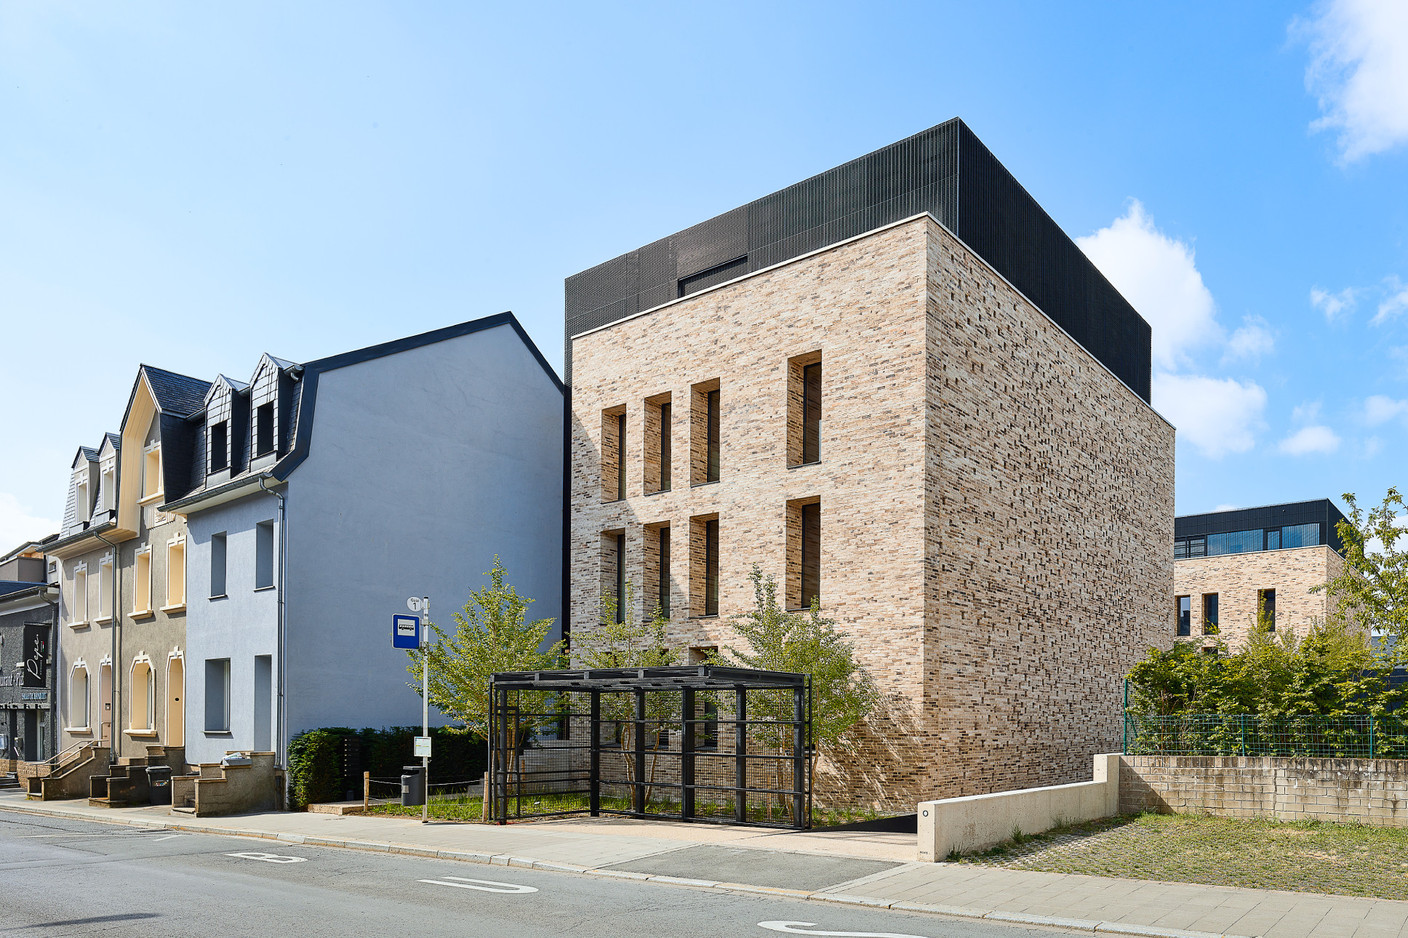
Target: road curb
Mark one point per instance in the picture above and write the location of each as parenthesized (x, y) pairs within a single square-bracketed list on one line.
[(508, 860)]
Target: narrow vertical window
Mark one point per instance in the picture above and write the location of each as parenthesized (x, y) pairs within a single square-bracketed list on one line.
[(1273, 539), (1209, 613), (109, 486), (217, 564), (1185, 615), (804, 409), (620, 584), (219, 447), (217, 695), (657, 568), (704, 433), (657, 443), (142, 591), (704, 565), (613, 454), (82, 508), (151, 473), (1266, 607), (80, 596), (711, 567), (264, 429), (811, 413), (264, 555), (105, 589), (176, 573), (811, 553)]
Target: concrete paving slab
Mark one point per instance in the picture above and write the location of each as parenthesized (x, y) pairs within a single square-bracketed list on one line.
[(757, 867)]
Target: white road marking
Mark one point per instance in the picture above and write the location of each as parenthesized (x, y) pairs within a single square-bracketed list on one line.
[(484, 885), (267, 857), (806, 929), (157, 840)]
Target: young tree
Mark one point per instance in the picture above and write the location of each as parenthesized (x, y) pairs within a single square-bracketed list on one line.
[(492, 633), (1371, 592), (807, 643), (633, 642)]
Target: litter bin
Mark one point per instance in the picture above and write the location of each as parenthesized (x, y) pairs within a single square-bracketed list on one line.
[(412, 785), (159, 783)]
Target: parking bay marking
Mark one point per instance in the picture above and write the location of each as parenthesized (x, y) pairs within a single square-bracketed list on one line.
[(484, 885), (267, 857), (791, 928)]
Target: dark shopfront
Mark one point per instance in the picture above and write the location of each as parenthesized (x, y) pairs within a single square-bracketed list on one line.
[(27, 728)]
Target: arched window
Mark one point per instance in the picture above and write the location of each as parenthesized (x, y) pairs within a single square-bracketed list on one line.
[(143, 696), (78, 699)]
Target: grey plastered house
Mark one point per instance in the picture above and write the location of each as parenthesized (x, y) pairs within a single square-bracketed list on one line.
[(323, 494)]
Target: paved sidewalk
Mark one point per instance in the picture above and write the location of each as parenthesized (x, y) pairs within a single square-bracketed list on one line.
[(846, 867)]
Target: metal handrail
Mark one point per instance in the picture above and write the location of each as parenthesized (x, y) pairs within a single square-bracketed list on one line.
[(58, 758)]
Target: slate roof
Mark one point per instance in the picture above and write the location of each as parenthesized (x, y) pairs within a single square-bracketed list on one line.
[(178, 395), (15, 586), (115, 439), (89, 453)]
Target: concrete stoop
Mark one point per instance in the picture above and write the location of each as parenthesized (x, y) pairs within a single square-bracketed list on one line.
[(69, 779), (127, 783), (242, 781)]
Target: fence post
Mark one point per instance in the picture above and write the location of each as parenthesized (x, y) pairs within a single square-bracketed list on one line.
[(366, 791), (1124, 719), (1371, 736)]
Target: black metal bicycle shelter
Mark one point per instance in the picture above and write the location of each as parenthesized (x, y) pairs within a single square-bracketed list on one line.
[(607, 740)]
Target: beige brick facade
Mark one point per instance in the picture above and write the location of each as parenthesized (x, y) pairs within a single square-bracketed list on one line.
[(1238, 579), (996, 507)]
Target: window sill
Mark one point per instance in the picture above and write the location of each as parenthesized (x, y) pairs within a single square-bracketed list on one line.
[(803, 465), (695, 485), (152, 499), (103, 620), (174, 607), (140, 734), (219, 596), (78, 730), (261, 589), (225, 733), (142, 614), (80, 624), (803, 608), (711, 615), (658, 492)]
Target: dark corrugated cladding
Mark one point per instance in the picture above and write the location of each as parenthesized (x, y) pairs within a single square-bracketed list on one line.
[(1321, 511), (945, 171)]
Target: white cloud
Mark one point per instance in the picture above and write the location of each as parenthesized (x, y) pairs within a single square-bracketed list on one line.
[(1227, 507), (17, 525), (1252, 340), (1157, 275), (1217, 415), (1359, 72), (1372, 447), (1333, 305), (1393, 304), (1316, 438), (1309, 412), (1380, 409)]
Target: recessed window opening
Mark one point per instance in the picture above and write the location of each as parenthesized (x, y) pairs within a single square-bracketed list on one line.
[(704, 565), (711, 567), (803, 583), (217, 695), (1266, 607), (1185, 615), (143, 707), (176, 572), (219, 446), (264, 555), (658, 429), (142, 586), (264, 429), (80, 596), (804, 409), (657, 568), (613, 454), (1210, 614), (151, 473), (620, 584), (78, 697), (105, 589), (217, 564), (82, 507), (704, 432)]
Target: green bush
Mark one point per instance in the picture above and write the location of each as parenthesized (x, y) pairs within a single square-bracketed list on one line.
[(316, 772)]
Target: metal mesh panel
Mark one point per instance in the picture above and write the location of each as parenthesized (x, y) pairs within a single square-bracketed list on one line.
[(1343, 737)]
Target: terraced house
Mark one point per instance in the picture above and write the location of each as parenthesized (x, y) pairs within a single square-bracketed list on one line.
[(899, 388)]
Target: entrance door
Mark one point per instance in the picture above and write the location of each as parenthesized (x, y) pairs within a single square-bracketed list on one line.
[(105, 704), (175, 706), (31, 736)]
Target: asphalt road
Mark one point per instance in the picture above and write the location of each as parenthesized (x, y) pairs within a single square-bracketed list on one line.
[(70, 877)]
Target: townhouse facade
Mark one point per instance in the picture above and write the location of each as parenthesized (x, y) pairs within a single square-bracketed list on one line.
[(324, 494), (899, 389), (28, 624), (1231, 567)]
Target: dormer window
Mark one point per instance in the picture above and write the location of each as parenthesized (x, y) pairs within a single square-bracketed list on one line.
[(108, 487), (83, 508), (264, 429), (151, 473), (220, 446)]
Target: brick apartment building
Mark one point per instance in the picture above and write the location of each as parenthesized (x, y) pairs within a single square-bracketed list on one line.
[(1230, 564), (897, 386)]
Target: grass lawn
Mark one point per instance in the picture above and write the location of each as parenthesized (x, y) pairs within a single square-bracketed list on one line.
[(1341, 859)]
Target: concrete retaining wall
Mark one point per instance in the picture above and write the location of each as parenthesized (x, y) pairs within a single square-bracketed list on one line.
[(979, 821), (1367, 791)]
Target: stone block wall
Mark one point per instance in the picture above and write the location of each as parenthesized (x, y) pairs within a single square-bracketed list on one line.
[(1237, 579), (1366, 791)]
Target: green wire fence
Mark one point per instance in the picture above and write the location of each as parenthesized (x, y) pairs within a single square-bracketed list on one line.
[(1217, 734)]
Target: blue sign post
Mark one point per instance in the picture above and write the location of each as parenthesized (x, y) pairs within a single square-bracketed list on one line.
[(405, 631)]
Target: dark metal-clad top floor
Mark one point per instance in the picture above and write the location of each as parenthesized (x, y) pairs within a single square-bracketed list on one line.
[(1270, 527), (670, 678), (945, 171)]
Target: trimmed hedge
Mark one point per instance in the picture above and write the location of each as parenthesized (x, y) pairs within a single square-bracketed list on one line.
[(317, 773)]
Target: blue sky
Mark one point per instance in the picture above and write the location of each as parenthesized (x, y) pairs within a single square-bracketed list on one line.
[(190, 185)]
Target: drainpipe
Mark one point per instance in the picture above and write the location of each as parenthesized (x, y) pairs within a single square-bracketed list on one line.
[(281, 715), (112, 668)]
